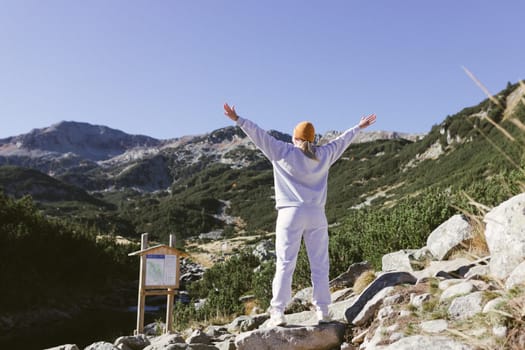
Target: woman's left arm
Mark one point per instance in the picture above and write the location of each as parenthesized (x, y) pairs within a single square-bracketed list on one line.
[(271, 147)]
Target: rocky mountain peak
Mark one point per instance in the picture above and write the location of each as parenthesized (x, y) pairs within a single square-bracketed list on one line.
[(93, 142)]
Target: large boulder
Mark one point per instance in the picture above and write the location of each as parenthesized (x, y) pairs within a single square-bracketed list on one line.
[(322, 337), (505, 235), (448, 235), (388, 279)]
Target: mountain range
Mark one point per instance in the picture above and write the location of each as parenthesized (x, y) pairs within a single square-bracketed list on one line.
[(115, 159), (135, 183)]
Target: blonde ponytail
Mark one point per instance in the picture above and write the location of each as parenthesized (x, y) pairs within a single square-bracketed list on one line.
[(308, 149)]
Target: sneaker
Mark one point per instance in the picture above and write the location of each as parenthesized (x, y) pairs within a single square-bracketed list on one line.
[(323, 317), (276, 319)]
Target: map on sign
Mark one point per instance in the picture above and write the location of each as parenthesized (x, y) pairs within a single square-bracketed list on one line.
[(161, 270)]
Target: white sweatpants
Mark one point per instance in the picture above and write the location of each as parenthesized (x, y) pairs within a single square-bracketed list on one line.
[(293, 223)]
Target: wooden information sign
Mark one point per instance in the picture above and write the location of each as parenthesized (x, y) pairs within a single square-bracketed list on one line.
[(159, 275)]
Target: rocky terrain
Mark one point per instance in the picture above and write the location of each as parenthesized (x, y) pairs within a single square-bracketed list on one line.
[(441, 296)]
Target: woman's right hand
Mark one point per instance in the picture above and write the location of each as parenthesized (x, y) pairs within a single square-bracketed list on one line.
[(367, 121), (230, 112)]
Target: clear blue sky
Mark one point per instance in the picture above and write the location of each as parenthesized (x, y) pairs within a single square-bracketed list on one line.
[(164, 68)]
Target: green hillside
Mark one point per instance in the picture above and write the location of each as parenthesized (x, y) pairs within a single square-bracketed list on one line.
[(53, 263), (18, 182)]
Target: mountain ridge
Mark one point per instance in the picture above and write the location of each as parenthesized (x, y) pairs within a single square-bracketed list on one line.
[(70, 147), (181, 185)]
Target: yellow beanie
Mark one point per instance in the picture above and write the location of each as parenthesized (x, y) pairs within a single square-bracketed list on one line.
[(304, 131)]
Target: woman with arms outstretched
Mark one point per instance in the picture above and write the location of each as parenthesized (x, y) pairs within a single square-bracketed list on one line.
[(300, 175)]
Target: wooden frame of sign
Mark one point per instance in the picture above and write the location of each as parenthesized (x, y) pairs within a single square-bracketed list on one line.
[(159, 275)]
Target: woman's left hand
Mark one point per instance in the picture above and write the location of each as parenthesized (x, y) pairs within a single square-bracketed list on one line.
[(230, 112)]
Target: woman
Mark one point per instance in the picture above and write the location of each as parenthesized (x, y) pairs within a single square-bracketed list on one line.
[(300, 176)]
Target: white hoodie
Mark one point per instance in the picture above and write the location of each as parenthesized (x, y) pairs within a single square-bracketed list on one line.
[(299, 180)]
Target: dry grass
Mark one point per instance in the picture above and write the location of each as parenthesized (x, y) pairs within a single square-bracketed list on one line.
[(363, 281)]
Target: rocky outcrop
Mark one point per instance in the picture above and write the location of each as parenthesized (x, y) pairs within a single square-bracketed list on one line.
[(505, 235), (446, 304), (323, 337)]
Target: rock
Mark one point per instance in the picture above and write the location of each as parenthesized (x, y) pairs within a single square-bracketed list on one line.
[(154, 329), (304, 295), (346, 346), (190, 271), (247, 323), (384, 313), (342, 294), (369, 310), (199, 337), (478, 272), (64, 347), (227, 344), (516, 277), (322, 337), (265, 250), (305, 318), (215, 331), (481, 285), (347, 278), (393, 299), (163, 342), (198, 346), (505, 236), (398, 261), (447, 268), (457, 289), (418, 300), (338, 309), (443, 285), (448, 235), (466, 306), (434, 326), (387, 279), (373, 338), (101, 345), (395, 336), (418, 342), (199, 304), (226, 336), (493, 304), (421, 254), (135, 342)]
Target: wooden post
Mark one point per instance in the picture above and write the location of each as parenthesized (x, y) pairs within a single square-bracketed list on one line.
[(171, 297), (142, 285)]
